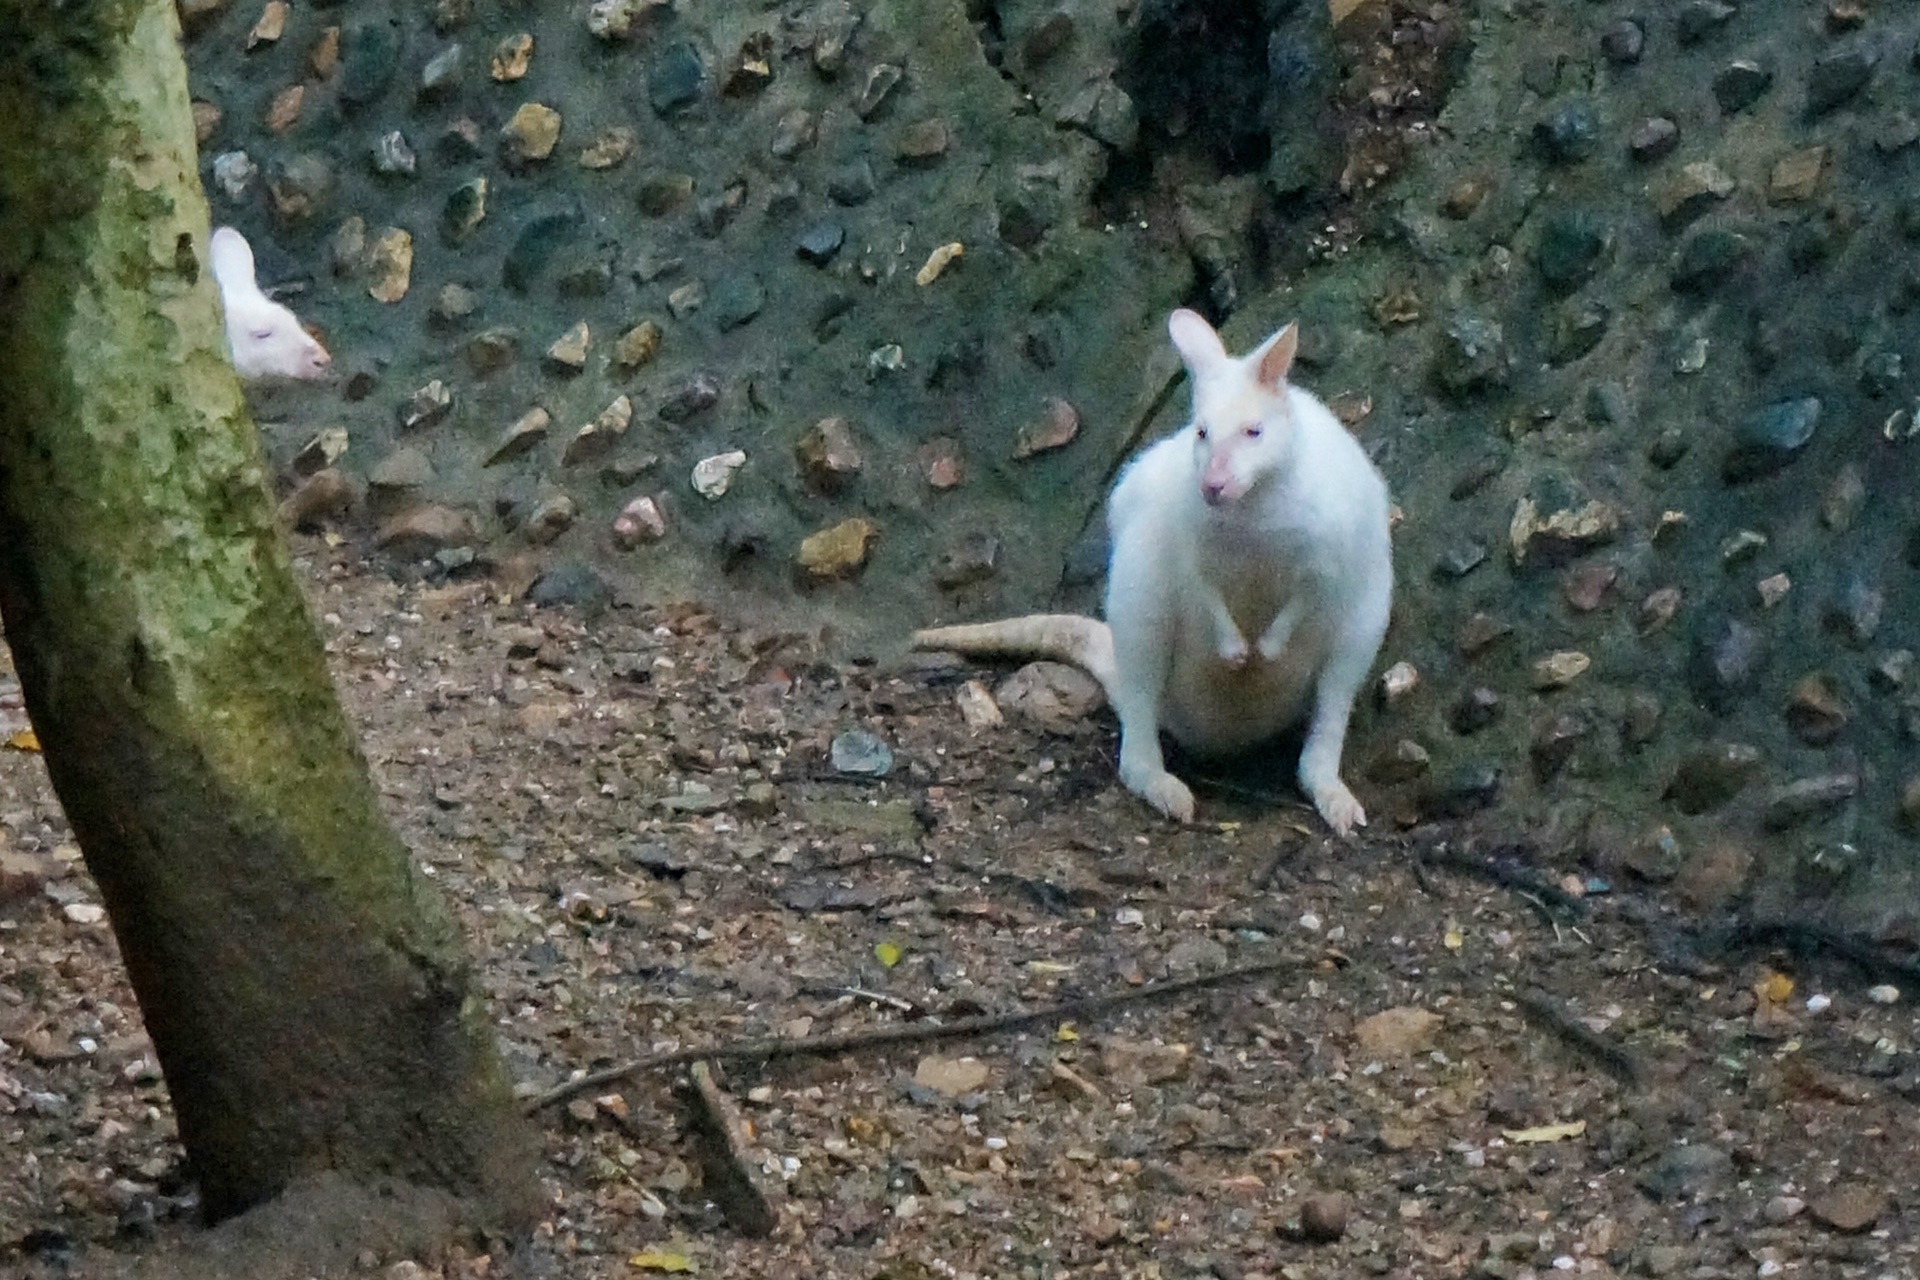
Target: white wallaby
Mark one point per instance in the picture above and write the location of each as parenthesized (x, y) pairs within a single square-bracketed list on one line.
[(1262, 518), (264, 339)]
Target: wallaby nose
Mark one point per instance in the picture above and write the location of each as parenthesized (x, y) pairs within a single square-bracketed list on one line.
[(1213, 491)]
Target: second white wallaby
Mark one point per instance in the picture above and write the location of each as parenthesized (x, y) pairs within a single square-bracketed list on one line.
[(264, 338), (1250, 579)]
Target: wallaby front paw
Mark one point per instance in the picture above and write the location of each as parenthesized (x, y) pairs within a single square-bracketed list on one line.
[(1234, 651), (1338, 807), (1167, 794)]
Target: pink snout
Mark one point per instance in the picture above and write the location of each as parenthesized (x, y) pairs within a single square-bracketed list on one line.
[(1217, 483)]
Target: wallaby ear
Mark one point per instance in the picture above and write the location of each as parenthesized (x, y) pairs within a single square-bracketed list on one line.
[(1275, 358), (230, 256), (1199, 346)]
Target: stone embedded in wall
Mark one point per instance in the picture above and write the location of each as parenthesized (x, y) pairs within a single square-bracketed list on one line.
[(530, 134), (551, 518), (283, 111), (975, 558), (527, 431), (828, 456), (390, 260), (406, 468), (611, 148), (713, 475), (1806, 798), (1058, 424), (1562, 534), (616, 20), (837, 551), (325, 495), (440, 77), (1710, 776), (568, 353), (690, 398), (426, 406), (1815, 711), (637, 346), (1837, 77), (1796, 177), (464, 210), (597, 439), (1560, 669), (1740, 84), (1692, 191), (942, 463), (511, 58), (421, 531), (641, 521), (492, 350)]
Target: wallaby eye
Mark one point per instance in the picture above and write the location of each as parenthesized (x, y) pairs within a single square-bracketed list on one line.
[(1200, 433), (263, 332), (1251, 431)]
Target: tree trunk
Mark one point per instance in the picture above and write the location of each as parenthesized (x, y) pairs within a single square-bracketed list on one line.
[(305, 990)]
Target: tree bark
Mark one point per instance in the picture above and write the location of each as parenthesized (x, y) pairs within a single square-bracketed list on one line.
[(306, 991)]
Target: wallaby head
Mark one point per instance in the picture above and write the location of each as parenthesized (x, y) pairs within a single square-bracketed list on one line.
[(1241, 423), (264, 339)]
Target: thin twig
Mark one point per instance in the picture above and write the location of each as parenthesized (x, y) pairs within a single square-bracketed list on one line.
[(1613, 1058), (916, 1033)]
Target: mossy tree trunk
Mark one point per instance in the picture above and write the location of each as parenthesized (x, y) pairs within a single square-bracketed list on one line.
[(305, 990)]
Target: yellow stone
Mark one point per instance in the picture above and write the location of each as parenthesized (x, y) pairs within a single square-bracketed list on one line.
[(511, 56), (391, 258), (839, 550), (532, 132), (637, 345)]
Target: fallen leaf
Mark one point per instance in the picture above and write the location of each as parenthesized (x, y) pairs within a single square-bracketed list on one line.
[(951, 1077), (1397, 1032), (1546, 1132), (887, 953), (655, 1260), (24, 740)]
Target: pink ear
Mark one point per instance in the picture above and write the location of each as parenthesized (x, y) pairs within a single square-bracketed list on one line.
[(1199, 346), (1276, 358)]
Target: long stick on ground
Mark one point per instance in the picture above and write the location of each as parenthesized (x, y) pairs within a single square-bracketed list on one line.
[(915, 1033)]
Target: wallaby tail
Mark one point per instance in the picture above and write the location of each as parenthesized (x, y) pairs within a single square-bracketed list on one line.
[(1064, 637)]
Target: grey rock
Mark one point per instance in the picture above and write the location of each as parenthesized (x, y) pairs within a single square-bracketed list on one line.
[(1836, 78), (736, 301), (820, 242), (534, 248), (1570, 133), (1460, 560), (1472, 356), (1700, 19), (1805, 798), (1463, 790), (1473, 710), (441, 76), (1571, 245), (1740, 84), (857, 751), (1727, 658), (369, 56), (1686, 1171), (1707, 777), (1708, 258), (694, 396), (676, 79), (1769, 439), (393, 155), (570, 583), (1624, 42), (1653, 139), (852, 184)]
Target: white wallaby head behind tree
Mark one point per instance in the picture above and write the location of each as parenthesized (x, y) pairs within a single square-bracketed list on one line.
[(264, 338)]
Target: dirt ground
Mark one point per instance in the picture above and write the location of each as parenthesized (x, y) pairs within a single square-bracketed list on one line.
[(1465, 1063)]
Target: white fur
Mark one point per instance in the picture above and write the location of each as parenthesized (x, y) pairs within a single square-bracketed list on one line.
[(264, 339), (1220, 533)]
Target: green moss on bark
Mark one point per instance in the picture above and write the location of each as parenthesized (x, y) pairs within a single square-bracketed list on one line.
[(306, 990)]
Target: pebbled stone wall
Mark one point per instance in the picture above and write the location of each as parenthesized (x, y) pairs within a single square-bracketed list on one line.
[(852, 309)]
